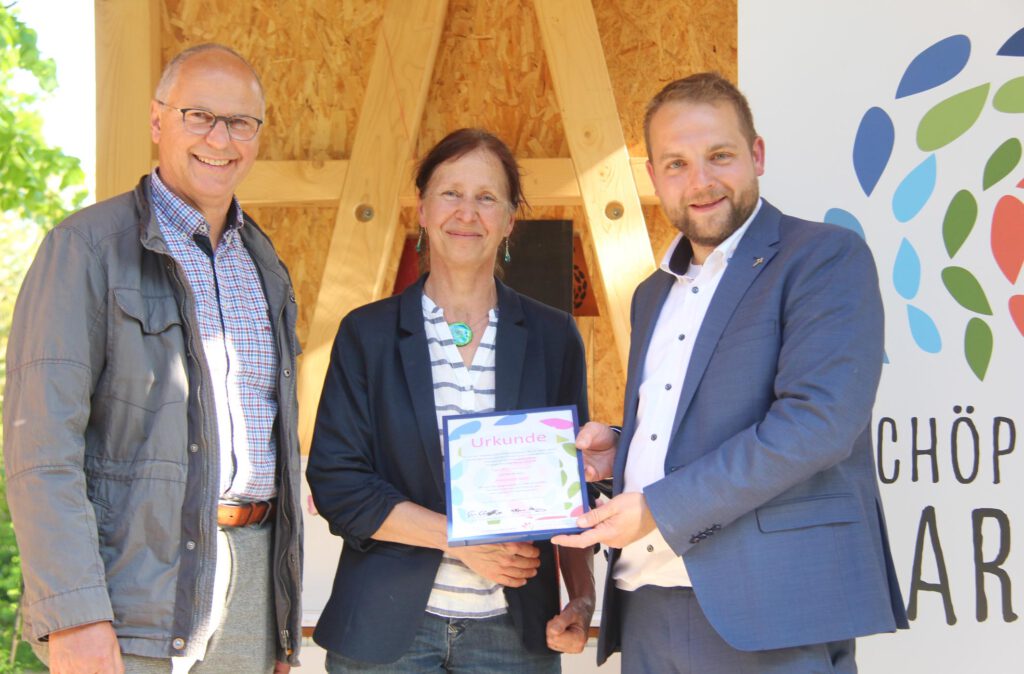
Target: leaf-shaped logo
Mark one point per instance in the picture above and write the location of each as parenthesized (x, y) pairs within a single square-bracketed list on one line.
[(959, 221), (574, 489), (978, 346), (555, 422), (914, 191), (510, 420), (570, 449), (1017, 312), (951, 118), (464, 429), (935, 65), (1003, 160), (872, 148), (844, 219), (1010, 96), (966, 290), (906, 271), (923, 330), (1014, 46), (1008, 236)]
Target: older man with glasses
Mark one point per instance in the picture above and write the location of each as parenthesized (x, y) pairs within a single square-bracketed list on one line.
[(150, 412)]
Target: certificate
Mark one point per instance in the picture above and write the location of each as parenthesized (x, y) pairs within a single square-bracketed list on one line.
[(513, 476)]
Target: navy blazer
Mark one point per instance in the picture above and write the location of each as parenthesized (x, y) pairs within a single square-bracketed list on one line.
[(769, 492), (376, 444)]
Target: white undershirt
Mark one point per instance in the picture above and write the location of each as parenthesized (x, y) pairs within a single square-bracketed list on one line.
[(650, 561)]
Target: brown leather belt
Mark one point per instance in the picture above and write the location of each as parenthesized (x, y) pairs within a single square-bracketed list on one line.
[(243, 514)]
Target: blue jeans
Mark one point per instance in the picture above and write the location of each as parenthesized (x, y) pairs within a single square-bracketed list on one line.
[(459, 646)]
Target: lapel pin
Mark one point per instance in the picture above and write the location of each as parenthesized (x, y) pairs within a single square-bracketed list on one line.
[(758, 261)]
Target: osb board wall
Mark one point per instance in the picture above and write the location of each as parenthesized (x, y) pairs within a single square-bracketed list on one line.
[(314, 58)]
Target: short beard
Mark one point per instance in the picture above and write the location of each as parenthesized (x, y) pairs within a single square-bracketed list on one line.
[(741, 210)]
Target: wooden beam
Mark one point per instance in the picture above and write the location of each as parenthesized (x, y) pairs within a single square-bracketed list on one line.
[(546, 182), (592, 127), (364, 232), (127, 68)]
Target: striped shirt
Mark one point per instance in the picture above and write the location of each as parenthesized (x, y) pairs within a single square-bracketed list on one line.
[(458, 591), (238, 343)]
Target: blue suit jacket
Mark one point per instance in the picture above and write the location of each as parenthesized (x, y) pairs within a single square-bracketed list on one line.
[(769, 491), (376, 444)]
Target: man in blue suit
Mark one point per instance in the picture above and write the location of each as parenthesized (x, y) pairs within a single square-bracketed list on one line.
[(746, 525)]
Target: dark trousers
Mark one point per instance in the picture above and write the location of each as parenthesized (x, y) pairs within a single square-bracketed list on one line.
[(664, 631)]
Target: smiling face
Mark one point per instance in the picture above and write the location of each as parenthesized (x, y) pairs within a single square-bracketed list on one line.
[(704, 171), (205, 170), (466, 213)]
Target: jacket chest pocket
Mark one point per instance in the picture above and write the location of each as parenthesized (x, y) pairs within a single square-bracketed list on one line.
[(146, 351)]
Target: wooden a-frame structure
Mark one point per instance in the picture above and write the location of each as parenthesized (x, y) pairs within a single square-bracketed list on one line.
[(373, 184)]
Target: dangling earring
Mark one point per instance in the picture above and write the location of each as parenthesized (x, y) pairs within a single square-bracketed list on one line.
[(508, 258), (419, 242)]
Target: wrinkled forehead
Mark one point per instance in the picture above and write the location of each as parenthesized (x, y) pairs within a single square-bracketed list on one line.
[(479, 168)]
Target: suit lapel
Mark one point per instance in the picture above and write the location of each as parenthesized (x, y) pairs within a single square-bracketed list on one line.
[(412, 345), (510, 357), (755, 250)]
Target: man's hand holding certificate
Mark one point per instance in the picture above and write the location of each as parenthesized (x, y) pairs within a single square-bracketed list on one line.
[(513, 476)]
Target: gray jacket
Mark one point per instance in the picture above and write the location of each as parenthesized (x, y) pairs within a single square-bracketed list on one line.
[(111, 456)]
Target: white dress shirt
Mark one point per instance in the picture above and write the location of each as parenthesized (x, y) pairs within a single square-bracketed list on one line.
[(650, 561)]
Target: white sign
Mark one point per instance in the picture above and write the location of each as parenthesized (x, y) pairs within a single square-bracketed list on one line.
[(904, 120)]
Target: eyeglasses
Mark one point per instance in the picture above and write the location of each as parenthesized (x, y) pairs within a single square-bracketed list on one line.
[(201, 122)]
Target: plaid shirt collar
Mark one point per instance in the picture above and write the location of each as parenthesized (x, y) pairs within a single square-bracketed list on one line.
[(185, 218)]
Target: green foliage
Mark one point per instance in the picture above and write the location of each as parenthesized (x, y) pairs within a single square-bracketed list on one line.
[(36, 180), (39, 185)]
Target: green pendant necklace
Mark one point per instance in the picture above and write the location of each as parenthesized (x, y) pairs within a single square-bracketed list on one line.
[(462, 334)]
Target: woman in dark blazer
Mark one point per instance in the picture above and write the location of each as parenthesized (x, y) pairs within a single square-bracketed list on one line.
[(457, 341)]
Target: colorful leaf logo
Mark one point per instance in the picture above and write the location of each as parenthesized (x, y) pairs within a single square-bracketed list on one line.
[(923, 330), (510, 420), (845, 219), (961, 215), (1008, 236), (1010, 96), (1003, 160), (906, 272), (978, 346), (1014, 46), (872, 148), (464, 429), (951, 118), (1017, 312), (966, 290), (935, 65), (555, 422), (914, 191), (943, 123)]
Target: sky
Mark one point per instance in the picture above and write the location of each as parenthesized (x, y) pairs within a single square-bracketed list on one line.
[(66, 34)]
